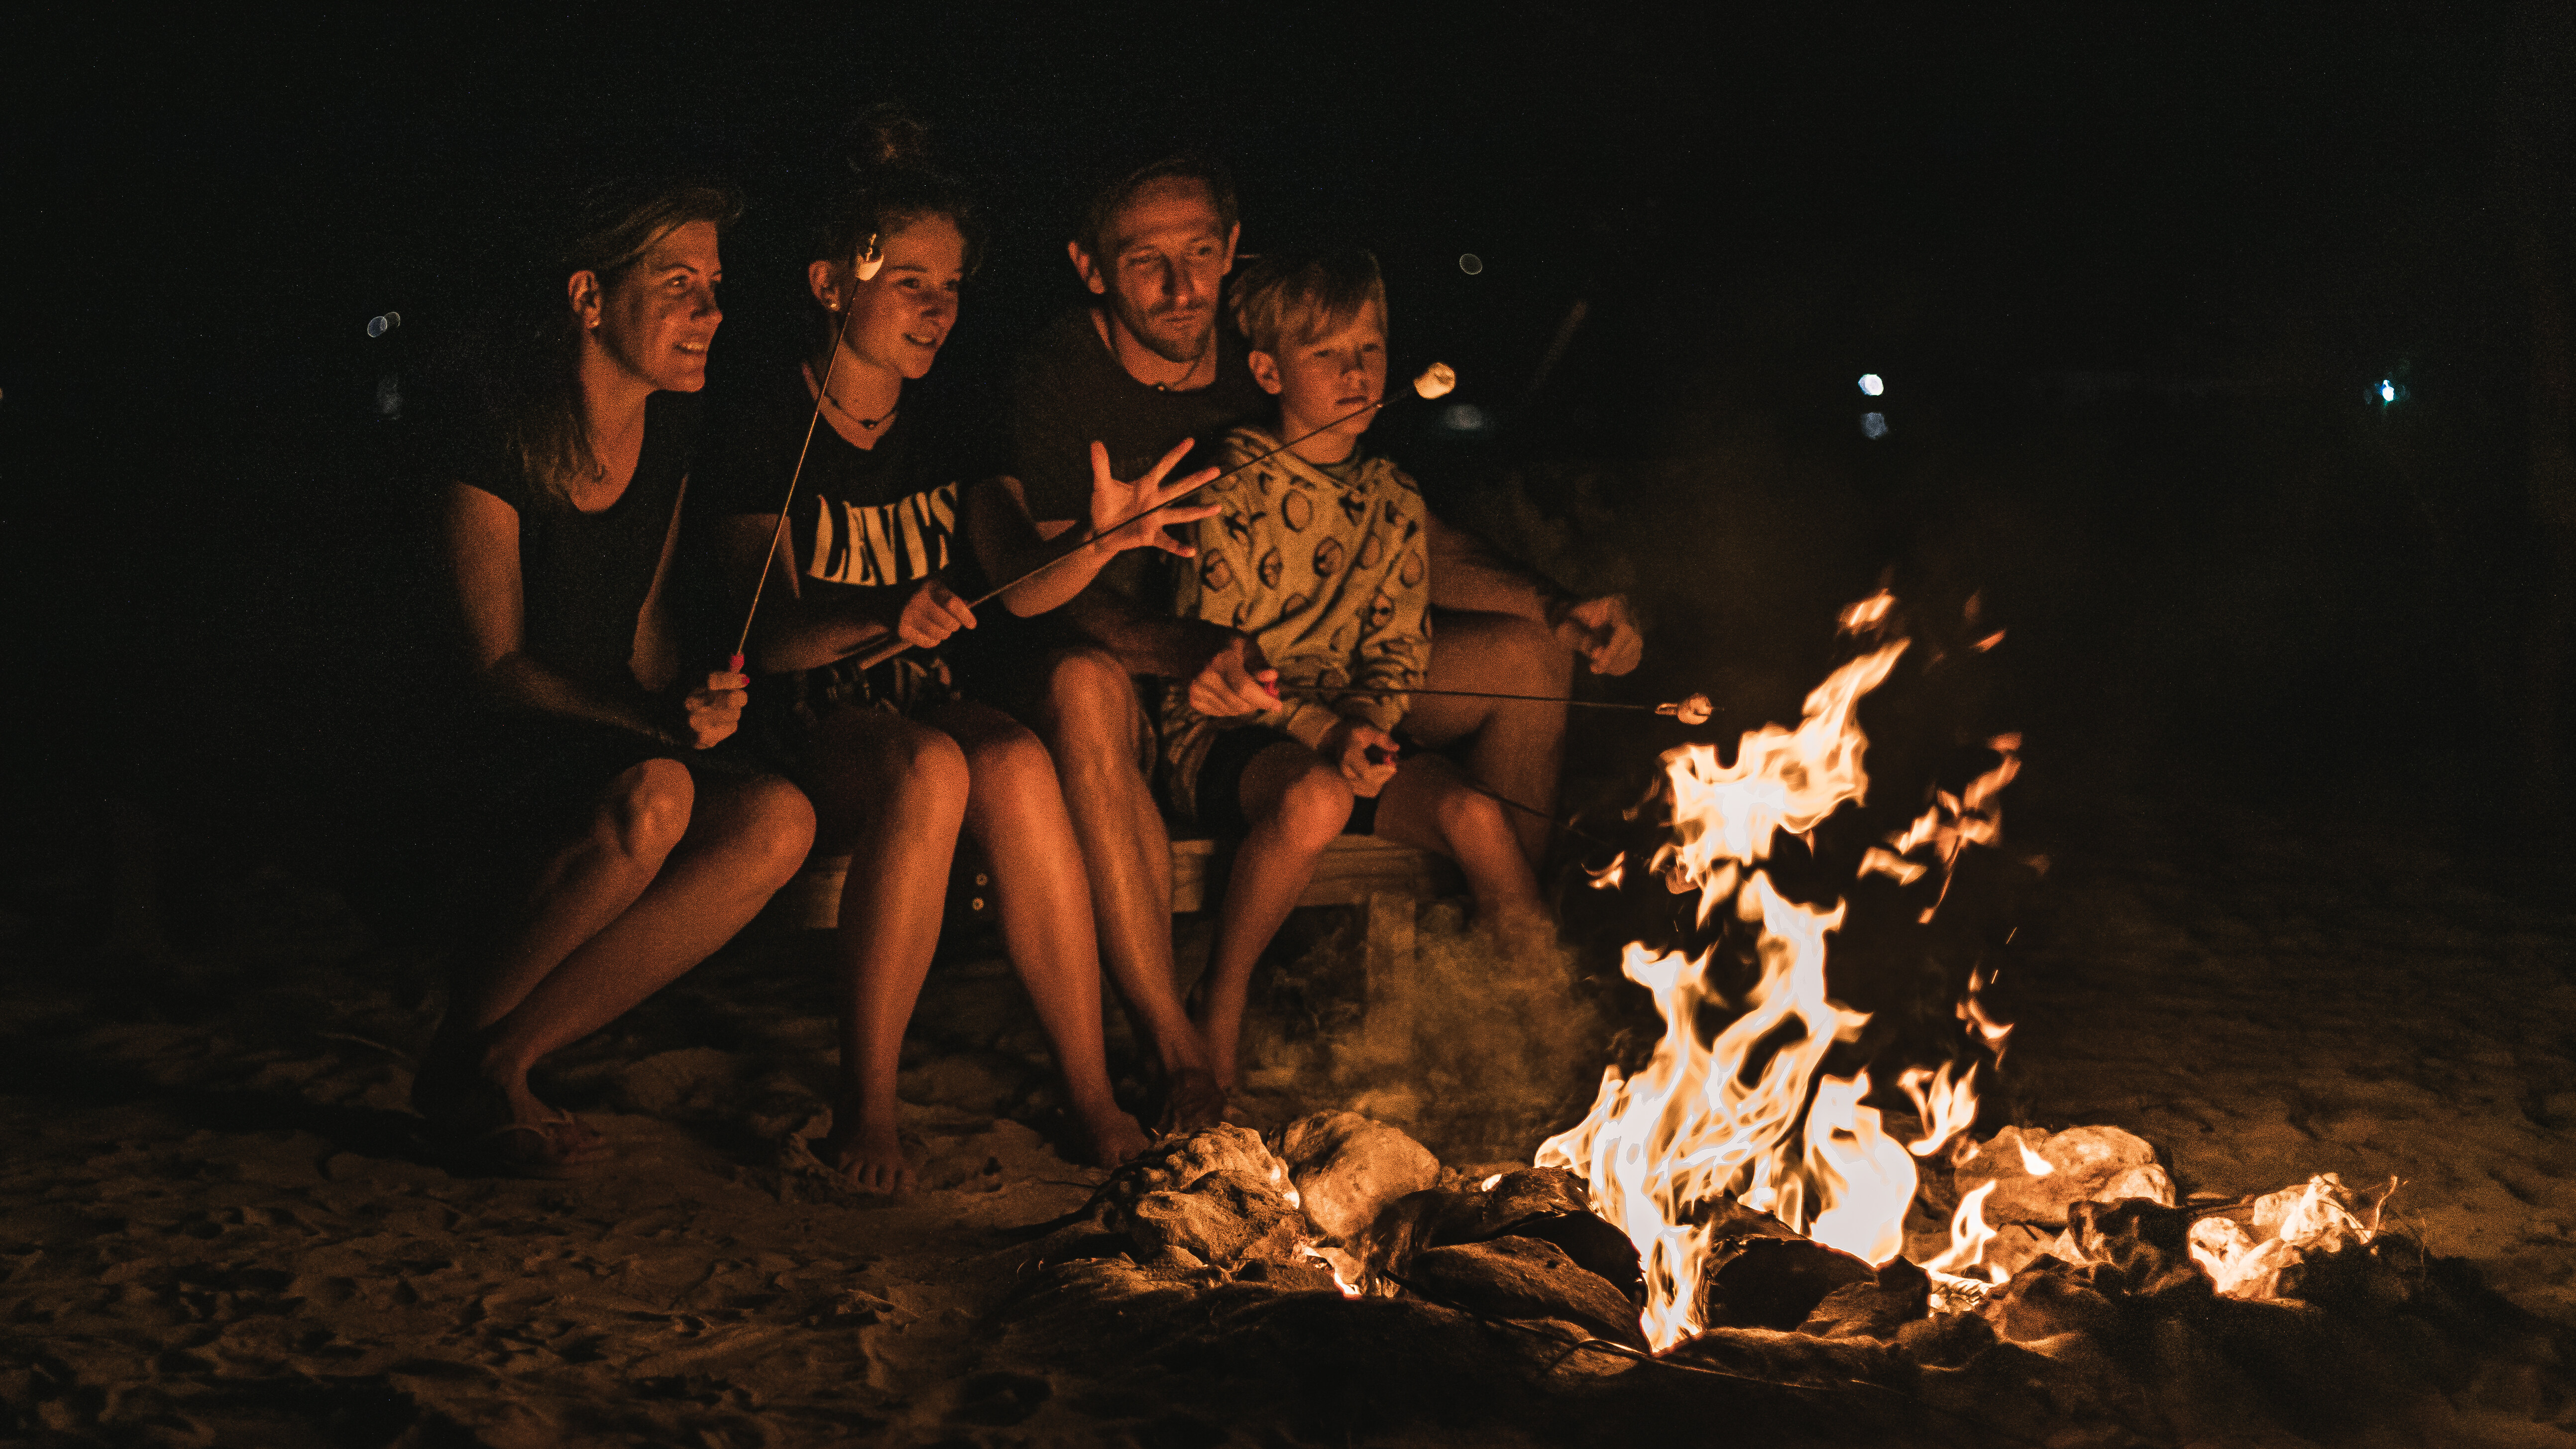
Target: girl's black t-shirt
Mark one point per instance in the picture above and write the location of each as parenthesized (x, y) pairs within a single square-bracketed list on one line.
[(862, 518), (583, 577)]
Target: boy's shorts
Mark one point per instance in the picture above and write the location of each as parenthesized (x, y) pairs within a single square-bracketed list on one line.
[(1203, 781)]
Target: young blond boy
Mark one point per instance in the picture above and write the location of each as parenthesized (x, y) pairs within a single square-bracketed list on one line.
[(1318, 556)]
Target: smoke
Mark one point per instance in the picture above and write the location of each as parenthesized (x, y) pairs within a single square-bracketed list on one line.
[(1476, 1044)]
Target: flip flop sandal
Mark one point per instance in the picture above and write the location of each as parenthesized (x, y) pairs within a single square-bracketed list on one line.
[(488, 1153)]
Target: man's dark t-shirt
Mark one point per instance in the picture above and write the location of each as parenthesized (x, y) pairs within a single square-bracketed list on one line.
[(1070, 390), (583, 576)]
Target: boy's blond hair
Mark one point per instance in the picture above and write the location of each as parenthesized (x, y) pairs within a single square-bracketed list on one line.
[(1304, 295)]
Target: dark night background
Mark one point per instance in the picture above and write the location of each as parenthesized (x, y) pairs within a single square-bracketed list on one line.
[(2132, 274)]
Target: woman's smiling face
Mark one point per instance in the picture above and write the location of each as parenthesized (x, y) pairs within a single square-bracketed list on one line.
[(900, 318), (658, 317)]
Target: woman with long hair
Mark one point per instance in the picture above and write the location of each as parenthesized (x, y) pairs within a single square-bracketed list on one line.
[(628, 850), (895, 760)]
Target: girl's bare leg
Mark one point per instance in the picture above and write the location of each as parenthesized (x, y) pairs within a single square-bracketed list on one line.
[(894, 791), (1016, 811), (735, 845), (1296, 803), (1430, 806)]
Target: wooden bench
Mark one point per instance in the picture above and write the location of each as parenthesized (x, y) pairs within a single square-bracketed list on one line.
[(1386, 881)]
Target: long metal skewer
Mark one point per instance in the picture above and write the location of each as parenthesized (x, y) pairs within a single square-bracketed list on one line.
[(861, 269), (1321, 691)]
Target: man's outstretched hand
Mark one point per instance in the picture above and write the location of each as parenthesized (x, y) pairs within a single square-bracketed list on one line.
[(1601, 634), (1236, 681), (1115, 506)]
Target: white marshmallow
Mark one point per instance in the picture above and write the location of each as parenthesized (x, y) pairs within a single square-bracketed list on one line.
[(1437, 380)]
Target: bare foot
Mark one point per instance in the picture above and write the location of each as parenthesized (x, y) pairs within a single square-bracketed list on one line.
[(1113, 1135), (866, 1146), (1192, 1102)]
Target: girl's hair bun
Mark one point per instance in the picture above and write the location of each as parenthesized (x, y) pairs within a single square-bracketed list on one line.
[(884, 137)]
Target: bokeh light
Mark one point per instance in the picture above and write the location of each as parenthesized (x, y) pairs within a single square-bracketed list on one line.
[(1873, 425), (1871, 384), (1470, 263)]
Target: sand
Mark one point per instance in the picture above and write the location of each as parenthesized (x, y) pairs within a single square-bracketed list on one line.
[(216, 1229)]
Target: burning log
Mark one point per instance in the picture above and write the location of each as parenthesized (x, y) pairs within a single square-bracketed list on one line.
[(1545, 1204), (1764, 1281), (2038, 1175), (1348, 1169), (1897, 1295), (1523, 1279)]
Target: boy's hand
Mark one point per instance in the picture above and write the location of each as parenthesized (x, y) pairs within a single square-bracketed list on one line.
[(708, 715), (1114, 504), (1235, 682), (931, 614), (1601, 634), (1349, 745)]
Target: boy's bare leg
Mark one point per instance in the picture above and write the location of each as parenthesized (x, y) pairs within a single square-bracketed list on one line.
[(1516, 747), (1296, 803), (1016, 811), (894, 791), (1096, 730), (1429, 805), (739, 843)]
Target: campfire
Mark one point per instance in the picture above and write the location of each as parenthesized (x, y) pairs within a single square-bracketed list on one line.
[(1750, 1203)]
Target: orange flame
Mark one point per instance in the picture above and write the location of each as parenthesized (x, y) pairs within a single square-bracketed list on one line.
[(1751, 1115)]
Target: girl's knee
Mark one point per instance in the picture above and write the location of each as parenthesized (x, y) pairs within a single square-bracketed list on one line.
[(781, 826), (1014, 763), (648, 809)]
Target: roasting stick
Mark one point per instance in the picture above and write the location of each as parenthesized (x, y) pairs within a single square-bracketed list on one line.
[(1435, 381), (865, 265), (1694, 710)]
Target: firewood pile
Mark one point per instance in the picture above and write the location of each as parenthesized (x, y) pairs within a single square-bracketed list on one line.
[(2093, 1315)]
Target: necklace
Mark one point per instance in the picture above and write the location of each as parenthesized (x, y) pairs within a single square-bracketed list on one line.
[(838, 406), (1183, 384), (871, 424)]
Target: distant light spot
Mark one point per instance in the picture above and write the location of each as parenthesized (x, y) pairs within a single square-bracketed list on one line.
[(1466, 418), (1470, 263), (389, 397), (1873, 425), (1871, 384), (2387, 391), (382, 323)]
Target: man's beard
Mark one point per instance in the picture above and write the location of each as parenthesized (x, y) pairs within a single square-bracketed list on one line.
[(1139, 325)]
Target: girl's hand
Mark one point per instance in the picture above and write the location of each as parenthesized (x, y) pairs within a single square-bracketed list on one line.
[(931, 614), (1114, 503), (708, 715)]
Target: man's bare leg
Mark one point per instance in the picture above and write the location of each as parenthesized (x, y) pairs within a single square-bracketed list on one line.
[(1093, 725), (1430, 806), (1515, 747)]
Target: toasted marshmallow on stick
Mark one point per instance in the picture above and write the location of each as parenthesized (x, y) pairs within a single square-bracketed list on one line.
[(871, 260), (1437, 380), (1693, 710)]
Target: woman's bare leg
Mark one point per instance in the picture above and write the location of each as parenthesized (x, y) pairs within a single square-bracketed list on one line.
[(1296, 803), (1016, 811), (1430, 806), (737, 844), (893, 790)]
